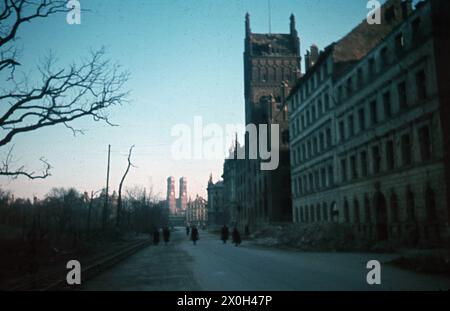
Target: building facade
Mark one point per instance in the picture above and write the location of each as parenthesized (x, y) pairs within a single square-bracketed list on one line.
[(367, 134), (197, 212), (171, 201), (217, 213), (271, 65)]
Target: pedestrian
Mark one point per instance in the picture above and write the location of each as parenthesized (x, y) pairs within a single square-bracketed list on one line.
[(166, 235), (156, 236), (187, 230), (236, 237), (194, 235), (224, 234)]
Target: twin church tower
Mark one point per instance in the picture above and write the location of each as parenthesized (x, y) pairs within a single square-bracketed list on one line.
[(176, 206)]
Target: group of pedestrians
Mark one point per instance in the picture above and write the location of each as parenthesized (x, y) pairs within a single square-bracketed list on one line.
[(235, 235), (165, 234)]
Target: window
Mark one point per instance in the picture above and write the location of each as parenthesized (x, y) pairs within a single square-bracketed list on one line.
[(399, 42), (343, 170), (330, 175), (430, 204), (339, 94), (320, 107), (390, 157), (389, 14), (387, 104), (359, 77), (351, 125), (323, 177), (364, 170), (384, 59), (346, 212), (304, 151), (425, 143), (349, 87), (315, 145), (341, 131), (309, 149), (372, 66), (406, 150), (421, 85), (317, 179), (328, 135), (416, 29), (319, 214), (362, 119), (308, 117), (303, 121), (410, 205), (368, 216), (327, 101), (402, 97), (376, 157), (311, 212), (373, 112), (394, 207), (313, 112), (321, 142), (311, 182), (325, 211), (356, 211), (353, 167)]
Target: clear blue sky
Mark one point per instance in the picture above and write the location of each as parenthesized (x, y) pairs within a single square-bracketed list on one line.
[(185, 60)]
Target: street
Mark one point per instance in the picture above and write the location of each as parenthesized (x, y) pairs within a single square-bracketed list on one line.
[(211, 265)]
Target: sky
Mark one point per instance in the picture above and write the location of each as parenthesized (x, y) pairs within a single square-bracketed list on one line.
[(185, 58)]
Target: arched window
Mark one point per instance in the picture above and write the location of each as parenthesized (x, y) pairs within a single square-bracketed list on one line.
[(430, 204), (394, 207), (346, 212), (356, 211), (325, 211), (334, 212), (410, 205), (368, 216)]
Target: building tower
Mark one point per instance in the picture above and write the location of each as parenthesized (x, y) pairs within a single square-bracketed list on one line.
[(170, 199), (182, 200), (271, 68)]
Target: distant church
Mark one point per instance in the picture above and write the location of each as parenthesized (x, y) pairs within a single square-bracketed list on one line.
[(176, 206)]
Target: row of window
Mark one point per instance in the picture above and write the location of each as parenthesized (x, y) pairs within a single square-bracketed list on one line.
[(349, 165), (348, 126), (387, 56), (310, 114), (314, 180), (321, 212), (314, 145)]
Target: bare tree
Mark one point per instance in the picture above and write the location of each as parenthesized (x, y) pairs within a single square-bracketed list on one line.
[(62, 95), (119, 200)]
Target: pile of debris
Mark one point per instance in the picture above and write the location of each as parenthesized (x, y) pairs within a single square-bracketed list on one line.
[(314, 237)]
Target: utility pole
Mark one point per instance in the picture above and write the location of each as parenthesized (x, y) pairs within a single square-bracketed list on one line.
[(105, 207)]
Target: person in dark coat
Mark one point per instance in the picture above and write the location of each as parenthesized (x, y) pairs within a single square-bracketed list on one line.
[(187, 230), (156, 236), (166, 235), (224, 234), (236, 237), (194, 235)]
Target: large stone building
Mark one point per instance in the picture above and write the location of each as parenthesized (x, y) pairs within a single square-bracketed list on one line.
[(271, 64), (182, 195), (217, 214), (176, 206), (197, 212), (369, 128), (171, 201)]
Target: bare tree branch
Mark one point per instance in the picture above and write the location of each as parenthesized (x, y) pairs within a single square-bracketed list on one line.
[(6, 170), (119, 201)]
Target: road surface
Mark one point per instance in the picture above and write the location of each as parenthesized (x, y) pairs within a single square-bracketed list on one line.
[(211, 265)]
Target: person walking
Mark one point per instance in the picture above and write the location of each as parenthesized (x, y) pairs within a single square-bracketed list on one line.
[(194, 235), (187, 230), (156, 236), (236, 237), (166, 235), (224, 234)]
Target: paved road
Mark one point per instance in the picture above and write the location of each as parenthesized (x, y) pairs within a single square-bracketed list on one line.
[(211, 265)]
